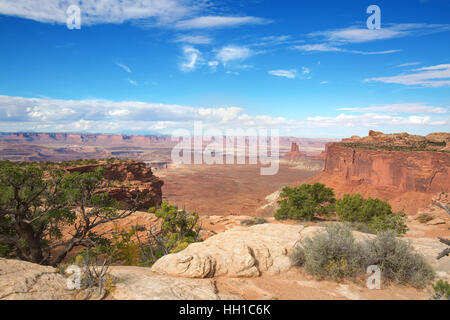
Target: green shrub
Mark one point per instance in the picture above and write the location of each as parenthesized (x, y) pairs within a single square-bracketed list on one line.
[(377, 214), (178, 229), (354, 208), (302, 203), (397, 260), (394, 221), (441, 290), (332, 254)]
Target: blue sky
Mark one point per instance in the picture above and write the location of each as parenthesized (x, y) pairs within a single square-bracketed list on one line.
[(308, 68)]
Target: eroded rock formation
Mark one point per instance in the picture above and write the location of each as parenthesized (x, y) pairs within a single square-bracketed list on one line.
[(400, 162), (128, 180)]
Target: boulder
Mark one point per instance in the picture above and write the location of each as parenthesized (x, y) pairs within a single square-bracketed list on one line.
[(20, 280), (238, 252)]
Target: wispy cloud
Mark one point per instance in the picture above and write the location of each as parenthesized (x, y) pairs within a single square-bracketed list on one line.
[(363, 34), (290, 74), (124, 67), (190, 57), (98, 12), (197, 39), (408, 64), (402, 108), (179, 14), (433, 76), (230, 53), (133, 82), (270, 41), (317, 47), (321, 47), (207, 22), (334, 40)]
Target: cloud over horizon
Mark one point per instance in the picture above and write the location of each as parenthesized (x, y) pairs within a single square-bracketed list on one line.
[(56, 115)]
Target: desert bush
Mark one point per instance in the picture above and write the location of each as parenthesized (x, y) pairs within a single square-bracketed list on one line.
[(122, 247), (253, 221), (397, 260), (354, 208), (394, 221), (178, 230), (424, 217), (332, 254), (302, 203), (94, 265), (377, 214), (441, 290), (361, 227)]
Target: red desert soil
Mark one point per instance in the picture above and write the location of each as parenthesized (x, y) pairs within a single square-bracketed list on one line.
[(225, 189)]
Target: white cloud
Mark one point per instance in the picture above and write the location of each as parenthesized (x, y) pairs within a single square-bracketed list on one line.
[(433, 76), (322, 47), (363, 34), (305, 70), (333, 40), (401, 107), (229, 53), (218, 21), (323, 82), (373, 120), (374, 52), (194, 39), (97, 12), (290, 74), (19, 114), (274, 41), (317, 47), (191, 55), (408, 64), (419, 119), (124, 67), (133, 82)]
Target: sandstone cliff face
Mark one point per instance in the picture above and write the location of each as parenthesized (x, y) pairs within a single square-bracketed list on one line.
[(128, 180), (422, 171)]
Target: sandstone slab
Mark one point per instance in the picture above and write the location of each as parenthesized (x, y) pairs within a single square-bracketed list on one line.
[(136, 283), (20, 280), (264, 249), (238, 252)]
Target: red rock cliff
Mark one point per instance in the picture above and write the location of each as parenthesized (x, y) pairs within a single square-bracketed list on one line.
[(422, 171), (128, 181)]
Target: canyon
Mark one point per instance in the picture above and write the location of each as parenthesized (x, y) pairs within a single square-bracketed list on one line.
[(153, 149), (238, 260), (404, 169)]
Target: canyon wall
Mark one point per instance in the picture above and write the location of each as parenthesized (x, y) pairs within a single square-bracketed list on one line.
[(421, 171), (405, 170)]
